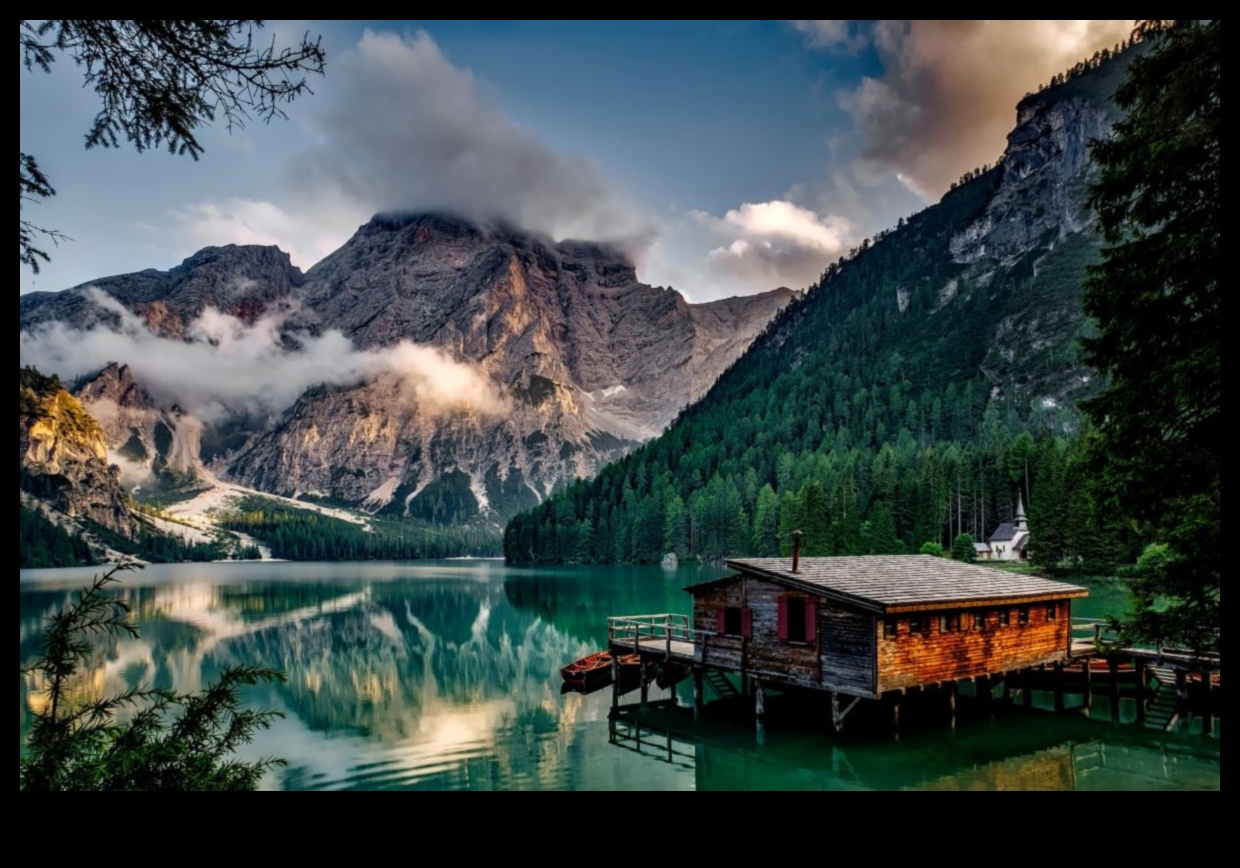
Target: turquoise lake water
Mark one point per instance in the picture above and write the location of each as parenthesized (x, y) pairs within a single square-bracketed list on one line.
[(445, 676)]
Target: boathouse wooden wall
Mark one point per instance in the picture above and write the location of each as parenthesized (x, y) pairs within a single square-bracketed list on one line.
[(851, 651), (839, 655), (967, 650)]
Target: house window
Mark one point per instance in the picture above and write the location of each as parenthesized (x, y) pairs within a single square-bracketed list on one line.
[(1052, 612), (797, 633), (948, 623), (891, 629), (734, 621), (1005, 618), (973, 621), (915, 626), (1024, 616)]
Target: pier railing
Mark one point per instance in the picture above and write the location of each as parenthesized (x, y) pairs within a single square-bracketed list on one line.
[(654, 632), (1091, 637)]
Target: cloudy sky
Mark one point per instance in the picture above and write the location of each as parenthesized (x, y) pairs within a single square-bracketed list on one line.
[(727, 157)]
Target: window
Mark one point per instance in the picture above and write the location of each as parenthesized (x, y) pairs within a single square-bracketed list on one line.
[(1005, 618), (948, 623), (1052, 612), (915, 626), (734, 621), (972, 621), (1024, 616), (797, 634), (891, 629)]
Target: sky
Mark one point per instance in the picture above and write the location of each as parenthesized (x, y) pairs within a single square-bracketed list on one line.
[(725, 157)]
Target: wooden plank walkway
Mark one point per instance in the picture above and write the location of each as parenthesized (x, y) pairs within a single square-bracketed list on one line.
[(681, 652)]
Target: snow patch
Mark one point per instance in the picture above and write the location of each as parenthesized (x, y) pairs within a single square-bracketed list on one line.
[(480, 493), (384, 494)]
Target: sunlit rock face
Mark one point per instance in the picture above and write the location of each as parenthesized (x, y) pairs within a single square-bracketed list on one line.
[(584, 360)]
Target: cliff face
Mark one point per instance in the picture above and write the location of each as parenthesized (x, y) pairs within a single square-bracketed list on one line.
[(63, 457), (1028, 250), (588, 360), (241, 281), (153, 447), (591, 360)]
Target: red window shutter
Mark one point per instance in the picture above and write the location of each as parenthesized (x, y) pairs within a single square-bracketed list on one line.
[(747, 623), (811, 622), (783, 618), (721, 621)]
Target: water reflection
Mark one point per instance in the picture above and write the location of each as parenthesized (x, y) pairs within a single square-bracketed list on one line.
[(445, 676), (1019, 753)]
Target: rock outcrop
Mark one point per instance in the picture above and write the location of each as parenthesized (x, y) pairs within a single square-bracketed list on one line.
[(588, 360), (63, 456)]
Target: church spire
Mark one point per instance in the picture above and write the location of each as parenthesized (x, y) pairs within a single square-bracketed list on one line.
[(1022, 523)]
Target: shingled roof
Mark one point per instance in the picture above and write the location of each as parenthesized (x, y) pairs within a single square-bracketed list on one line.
[(1005, 532), (908, 584)]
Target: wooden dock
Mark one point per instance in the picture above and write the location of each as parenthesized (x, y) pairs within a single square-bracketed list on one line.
[(1162, 675), (670, 638)]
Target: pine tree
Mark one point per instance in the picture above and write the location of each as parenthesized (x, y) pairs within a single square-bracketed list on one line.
[(1156, 298)]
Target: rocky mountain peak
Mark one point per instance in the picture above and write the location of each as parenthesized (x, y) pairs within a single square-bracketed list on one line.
[(590, 361)]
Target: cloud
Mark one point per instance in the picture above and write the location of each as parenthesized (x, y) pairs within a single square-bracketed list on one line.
[(228, 367), (771, 244), (829, 34), (400, 128), (306, 237), (947, 95)]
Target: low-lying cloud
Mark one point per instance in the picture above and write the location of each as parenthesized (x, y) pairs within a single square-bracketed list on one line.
[(778, 243), (228, 367), (947, 95), (400, 128)]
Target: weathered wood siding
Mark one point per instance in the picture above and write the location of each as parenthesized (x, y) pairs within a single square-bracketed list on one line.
[(838, 656), (719, 652), (934, 656), (770, 658), (846, 637)]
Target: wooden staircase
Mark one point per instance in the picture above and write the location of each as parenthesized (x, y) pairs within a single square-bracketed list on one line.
[(1164, 712), (721, 684)]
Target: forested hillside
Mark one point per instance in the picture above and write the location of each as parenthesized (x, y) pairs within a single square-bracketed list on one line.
[(922, 384)]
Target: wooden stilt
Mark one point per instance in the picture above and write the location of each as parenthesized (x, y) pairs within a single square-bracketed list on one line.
[(759, 700), (985, 695), (1207, 721), (699, 694), (645, 686), (953, 690), (615, 681), (1059, 695), (1088, 669), (1026, 689), (895, 716), (1181, 695), (1143, 692), (1115, 699), (837, 716)]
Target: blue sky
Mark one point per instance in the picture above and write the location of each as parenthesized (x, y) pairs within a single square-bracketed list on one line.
[(727, 157)]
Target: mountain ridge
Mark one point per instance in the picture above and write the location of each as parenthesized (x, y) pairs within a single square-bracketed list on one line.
[(589, 360)]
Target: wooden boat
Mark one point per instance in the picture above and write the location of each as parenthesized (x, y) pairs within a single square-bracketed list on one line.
[(595, 672), (589, 671)]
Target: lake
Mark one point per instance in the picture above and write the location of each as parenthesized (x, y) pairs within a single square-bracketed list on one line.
[(445, 676)]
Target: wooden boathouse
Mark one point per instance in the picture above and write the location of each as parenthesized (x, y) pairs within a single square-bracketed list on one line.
[(859, 628)]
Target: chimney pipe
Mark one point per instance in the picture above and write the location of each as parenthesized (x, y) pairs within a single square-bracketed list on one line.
[(796, 550)]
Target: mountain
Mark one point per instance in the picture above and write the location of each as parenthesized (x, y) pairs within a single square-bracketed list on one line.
[(585, 362), (63, 457), (928, 378)]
